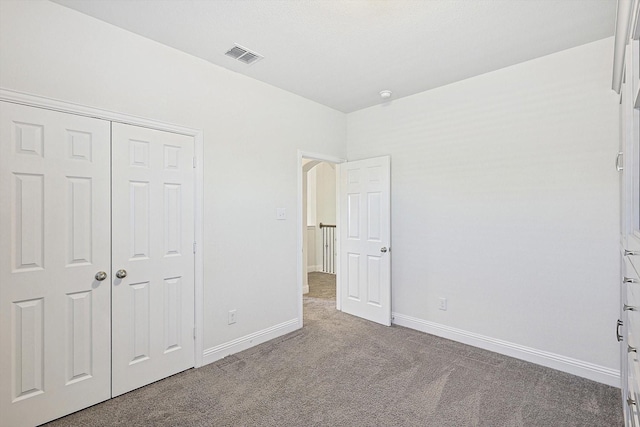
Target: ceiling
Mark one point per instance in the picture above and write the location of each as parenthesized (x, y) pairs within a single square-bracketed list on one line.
[(342, 53)]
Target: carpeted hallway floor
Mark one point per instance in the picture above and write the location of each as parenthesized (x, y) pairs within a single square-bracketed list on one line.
[(340, 370), (322, 285)]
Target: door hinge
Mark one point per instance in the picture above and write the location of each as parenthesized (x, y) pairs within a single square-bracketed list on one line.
[(619, 163), (195, 161), (194, 247), (619, 336)]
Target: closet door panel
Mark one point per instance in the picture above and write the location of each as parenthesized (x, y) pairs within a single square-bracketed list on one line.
[(153, 211), (55, 236)]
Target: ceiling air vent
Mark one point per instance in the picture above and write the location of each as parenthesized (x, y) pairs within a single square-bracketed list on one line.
[(243, 54)]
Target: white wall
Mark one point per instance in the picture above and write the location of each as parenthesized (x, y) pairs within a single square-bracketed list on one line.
[(505, 201), (325, 193), (310, 246), (312, 196), (504, 196), (252, 132), (325, 204)]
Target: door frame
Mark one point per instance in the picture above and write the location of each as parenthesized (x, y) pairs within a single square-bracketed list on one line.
[(17, 97), (300, 221)]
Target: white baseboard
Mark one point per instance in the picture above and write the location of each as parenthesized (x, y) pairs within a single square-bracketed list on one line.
[(577, 367), (314, 268), (239, 344), (305, 289)]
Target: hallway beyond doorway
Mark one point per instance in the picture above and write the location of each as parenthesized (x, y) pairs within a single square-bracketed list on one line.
[(322, 285)]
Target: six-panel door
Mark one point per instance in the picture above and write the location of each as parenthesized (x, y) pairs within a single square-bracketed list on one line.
[(153, 222), (54, 238), (59, 298), (365, 214)]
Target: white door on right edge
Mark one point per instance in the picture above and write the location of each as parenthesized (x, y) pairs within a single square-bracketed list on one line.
[(365, 221)]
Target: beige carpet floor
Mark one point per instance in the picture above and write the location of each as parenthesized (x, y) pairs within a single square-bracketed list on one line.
[(340, 370), (322, 285)]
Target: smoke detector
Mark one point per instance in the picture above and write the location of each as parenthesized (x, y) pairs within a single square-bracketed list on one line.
[(385, 94), (243, 54)]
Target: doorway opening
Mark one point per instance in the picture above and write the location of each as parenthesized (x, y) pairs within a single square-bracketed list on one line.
[(318, 229), (319, 240), (363, 244)]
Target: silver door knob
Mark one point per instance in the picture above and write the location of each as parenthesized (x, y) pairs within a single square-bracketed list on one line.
[(383, 249), (100, 276), (626, 307), (121, 274)]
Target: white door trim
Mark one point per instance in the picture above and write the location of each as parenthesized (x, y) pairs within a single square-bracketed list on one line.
[(83, 110), (299, 280)]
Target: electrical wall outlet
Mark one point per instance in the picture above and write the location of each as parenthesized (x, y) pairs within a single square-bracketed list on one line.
[(232, 317), (442, 304)]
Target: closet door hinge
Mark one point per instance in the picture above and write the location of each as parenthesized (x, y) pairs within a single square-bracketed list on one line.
[(194, 247), (195, 162), (194, 333)]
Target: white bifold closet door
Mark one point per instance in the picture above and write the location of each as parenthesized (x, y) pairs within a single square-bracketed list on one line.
[(153, 237), (55, 338), (81, 199)]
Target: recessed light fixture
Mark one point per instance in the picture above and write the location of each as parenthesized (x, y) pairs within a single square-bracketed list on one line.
[(385, 94), (243, 54)]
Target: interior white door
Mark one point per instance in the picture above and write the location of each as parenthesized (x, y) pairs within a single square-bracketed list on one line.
[(365, 236), (55, 236), (153, 221)]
